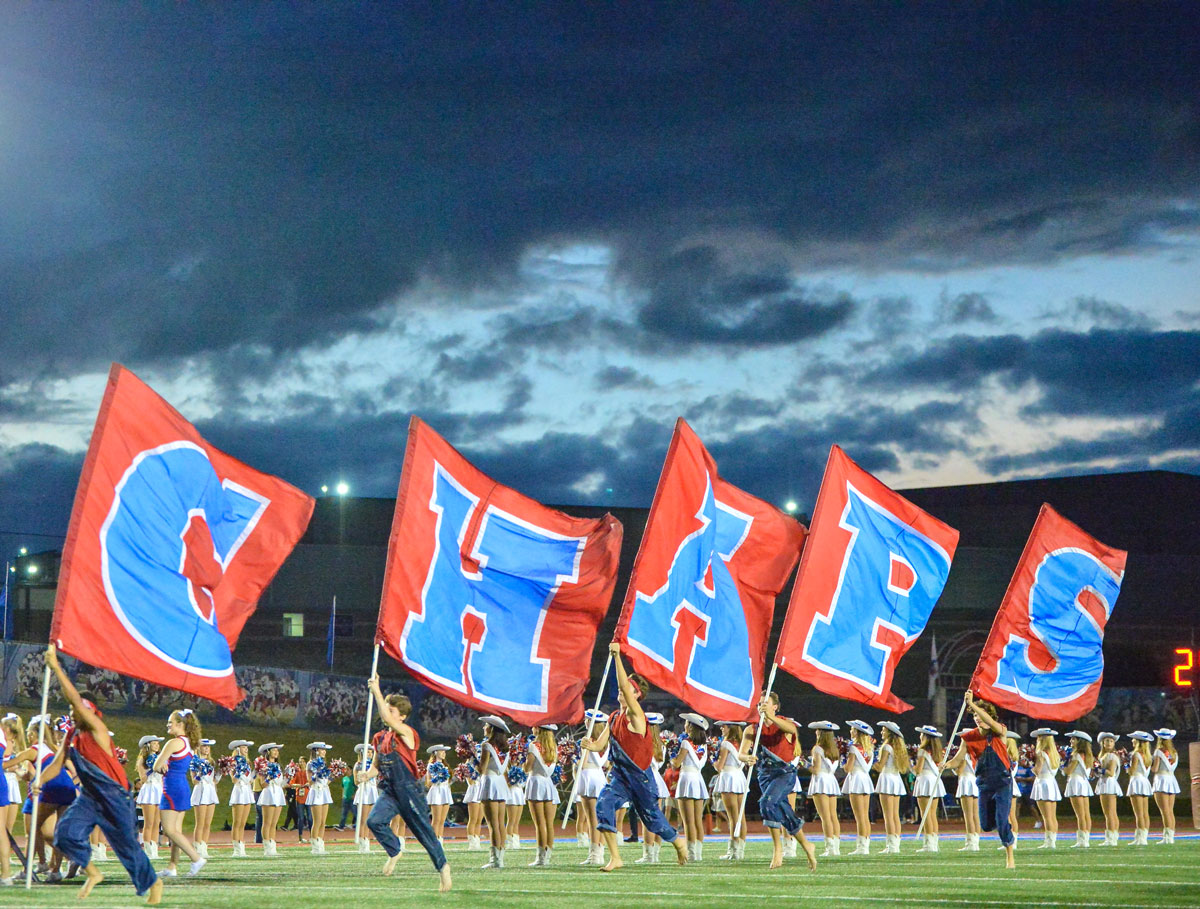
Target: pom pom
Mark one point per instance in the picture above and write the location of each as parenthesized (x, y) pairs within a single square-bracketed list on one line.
[(226, 765), (260, 765), (290, 770), (464, 746), (338, 768), (121, 754)]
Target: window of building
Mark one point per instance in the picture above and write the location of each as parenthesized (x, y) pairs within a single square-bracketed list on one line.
[(293, 624)]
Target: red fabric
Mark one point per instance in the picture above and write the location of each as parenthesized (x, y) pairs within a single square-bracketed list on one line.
[(640, 748), (977, 743), (387, 742), (132, 423), (570, 620), (775, 741), (87, 746), (1052, 534), (760, 567), (820, 577)]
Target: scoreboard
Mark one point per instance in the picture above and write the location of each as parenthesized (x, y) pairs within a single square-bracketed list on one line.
[(1186, 671)]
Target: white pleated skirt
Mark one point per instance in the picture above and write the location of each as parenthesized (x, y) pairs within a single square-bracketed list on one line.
[(1045, 789), (1138, 785), (492, 788), (541, 789), (730, 781), (204, 793), (929, 786), (1077, 787), (152, 790), (516, 793), (968, 787), (857, 782), (368, 792), (1166, 782), (1109, 785), (439, 794), (890, 784), (242, 794), (823, 784), (691, 786), (591, 784), (272, 795), (798, 786), (14, 789), (318, 794), (663, 791), (472, 795)]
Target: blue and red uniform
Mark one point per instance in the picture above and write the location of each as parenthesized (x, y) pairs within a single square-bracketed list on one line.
[(177, 791)]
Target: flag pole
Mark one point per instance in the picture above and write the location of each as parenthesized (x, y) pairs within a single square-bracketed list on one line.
[(37, 771), (590, 723), (737, 830), (941, 768), (358, 821)]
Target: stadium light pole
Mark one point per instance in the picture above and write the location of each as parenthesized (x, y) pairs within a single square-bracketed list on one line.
[(342, 489)]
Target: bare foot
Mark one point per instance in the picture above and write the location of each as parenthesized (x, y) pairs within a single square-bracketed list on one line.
[(680, 850), (810, 852), (777, 856), (93, 878), (390, 865), (444, 874), (614, 862), (154, 897)]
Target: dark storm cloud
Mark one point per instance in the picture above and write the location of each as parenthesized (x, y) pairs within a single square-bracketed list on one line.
[(37, 488), (1093, 311), (966, 307), (611, 377)]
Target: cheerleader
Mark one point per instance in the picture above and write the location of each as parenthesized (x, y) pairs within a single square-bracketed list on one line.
[(6, 877), (962, 764), (1138, 789), (1166, 787), (15, 770), (1046, 794), (57, 792), (651, 841), (173, 763), (690, 792), (1108, 786), (242, 796), (590, 773), (892, 763), (493, 790), (823, 788), (271, 798), (1078, 789), (150, 790), (204, 794), (857, 783), (437, 781), (516, 777), (540, 792), (366, 777), (731, 785), (928, 787), (318, 798)]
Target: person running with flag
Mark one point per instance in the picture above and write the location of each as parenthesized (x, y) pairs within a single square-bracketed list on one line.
[(104, 799), (628, 736)]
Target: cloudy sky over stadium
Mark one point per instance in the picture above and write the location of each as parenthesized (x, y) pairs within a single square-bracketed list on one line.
[(961, 240)]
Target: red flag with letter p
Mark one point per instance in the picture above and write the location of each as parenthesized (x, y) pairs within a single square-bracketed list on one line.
[(698, 610), (170, 544), (491, 598), (1044, 656)]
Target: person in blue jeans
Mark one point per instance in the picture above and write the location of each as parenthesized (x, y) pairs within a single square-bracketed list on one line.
[(396, 749), (993, 771)]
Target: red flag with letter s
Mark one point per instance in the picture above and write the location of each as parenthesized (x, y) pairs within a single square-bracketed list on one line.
[(698, 610), (489, 597), (1044, 656), (170, 544)]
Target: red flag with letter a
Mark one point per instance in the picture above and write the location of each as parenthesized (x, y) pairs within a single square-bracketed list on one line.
[(491, 598), (1045, 654), (873, 568), (171, 542), (698, 610)]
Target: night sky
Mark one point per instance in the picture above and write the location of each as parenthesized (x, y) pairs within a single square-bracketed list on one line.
[(961, 240)]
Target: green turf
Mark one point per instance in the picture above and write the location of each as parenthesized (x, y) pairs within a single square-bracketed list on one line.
[(1152, 876)]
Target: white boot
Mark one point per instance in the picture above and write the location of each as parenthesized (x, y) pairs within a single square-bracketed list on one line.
[(828, 850), (1045, 841), (1053, 838), (269, 849), (739, 850), (549, 856), (837, 846), (493, 859), (202, 849), (654, 853), (894, 843), (474, 844), (1143, 836), (239, 850), (699, 850), (864, 845), (1170, 835), (1112, 837), (1085, 840), (645, 854), (364, 845), (728, 856), (789, 846), (936, 837), (583, 842), (974, 842), (537, 861), (316, 846)]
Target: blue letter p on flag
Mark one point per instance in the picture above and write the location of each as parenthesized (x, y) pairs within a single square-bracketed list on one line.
[(872, 570)]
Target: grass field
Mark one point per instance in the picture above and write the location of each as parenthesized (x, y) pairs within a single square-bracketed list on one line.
[(1152, 876)]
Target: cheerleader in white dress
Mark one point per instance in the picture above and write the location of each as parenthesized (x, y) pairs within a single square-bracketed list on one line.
[(318, 798), (652, 842), (271, 798), (14, 731), (1166, 787), (891, 764), (967, 794), (541, 793), (1046, 794), (150, 792), (823, 786), (1108, 786), (1138, 788), (204, 795), (928, 787), (493, 788), (1078, 790), (857, 782), (730, 784), (366, 777), (591, 779), (437, 794), (690, 792), (516, 777), (471, 799), (241, 798)]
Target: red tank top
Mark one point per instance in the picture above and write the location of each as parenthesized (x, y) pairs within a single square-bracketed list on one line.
[(89, 749), (387, 742), (775, 741), (640, 748)]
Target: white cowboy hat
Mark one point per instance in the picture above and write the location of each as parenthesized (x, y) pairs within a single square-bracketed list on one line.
[(1012, 735), (931, 731), (360, 747), (695, 719), (1041, 731), (655, 719), (264, 748), (596, 716), (238, 743), (1107, 735), (1165, 733), (893, 728), (1078, 734), (147, 739), (553, 727), (861, 726), (495, 722), (1141, 736), (824, 726), (434, 749), (729, 723), (313, 746)]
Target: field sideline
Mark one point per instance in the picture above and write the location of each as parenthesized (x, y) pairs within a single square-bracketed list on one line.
[(1152, 876)]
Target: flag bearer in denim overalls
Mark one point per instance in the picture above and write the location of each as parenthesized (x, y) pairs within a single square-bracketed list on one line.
[(993, 772)]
